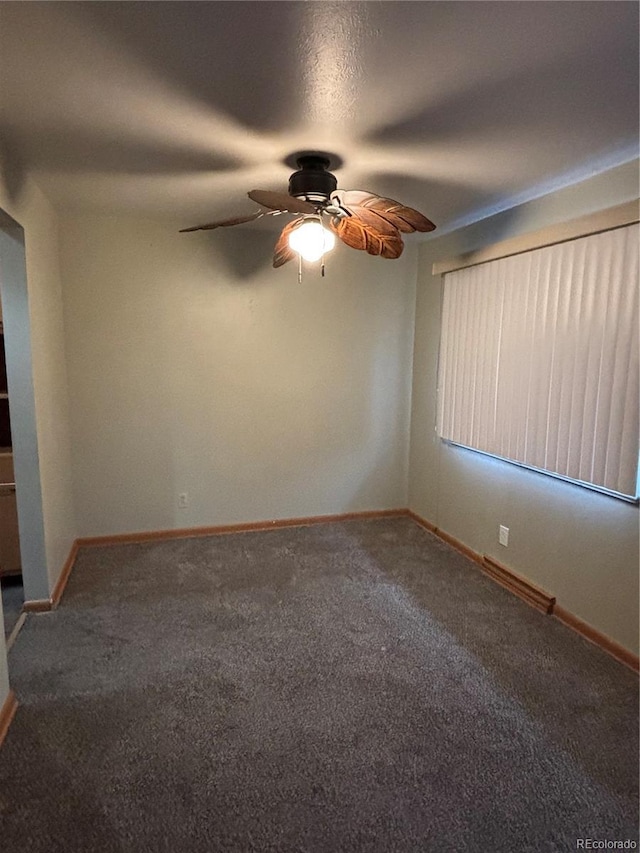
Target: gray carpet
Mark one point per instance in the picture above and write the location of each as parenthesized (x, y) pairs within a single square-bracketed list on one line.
[(344, 687)]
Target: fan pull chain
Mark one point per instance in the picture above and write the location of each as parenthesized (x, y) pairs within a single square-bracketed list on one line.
[(299, 269), (322, 266)]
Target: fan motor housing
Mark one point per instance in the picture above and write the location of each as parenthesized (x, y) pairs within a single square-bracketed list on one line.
[(312, 180)]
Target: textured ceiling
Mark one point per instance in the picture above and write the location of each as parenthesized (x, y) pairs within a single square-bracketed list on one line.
[(457, 108)]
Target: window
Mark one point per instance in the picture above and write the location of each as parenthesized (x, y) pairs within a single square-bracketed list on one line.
[(539, 359)]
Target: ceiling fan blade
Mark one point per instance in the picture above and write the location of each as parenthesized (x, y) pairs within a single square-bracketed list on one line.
[(359, 235), (281, 201), (223, 223), (283, 252), (372, 219), (404, 218)]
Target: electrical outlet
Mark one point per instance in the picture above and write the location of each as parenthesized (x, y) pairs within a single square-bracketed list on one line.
[(183, 500), (503, 535)]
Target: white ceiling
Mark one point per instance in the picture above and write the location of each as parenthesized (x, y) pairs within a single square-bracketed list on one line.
[(457, 108)]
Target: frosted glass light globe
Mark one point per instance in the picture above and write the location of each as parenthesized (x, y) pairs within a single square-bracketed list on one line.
[(311, 240)]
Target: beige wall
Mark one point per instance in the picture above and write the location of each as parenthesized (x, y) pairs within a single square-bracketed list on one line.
[(195, 367), (50, 384), (580, 545)]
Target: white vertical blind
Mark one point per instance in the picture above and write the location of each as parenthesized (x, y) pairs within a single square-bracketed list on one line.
[(539, 359)]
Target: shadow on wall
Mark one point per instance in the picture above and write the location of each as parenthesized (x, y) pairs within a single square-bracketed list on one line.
[(12, 171), (245, 251)]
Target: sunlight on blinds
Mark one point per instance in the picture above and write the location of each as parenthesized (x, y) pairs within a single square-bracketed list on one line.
[(539, 359)]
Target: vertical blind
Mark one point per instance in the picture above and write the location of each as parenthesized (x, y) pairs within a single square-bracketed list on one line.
[(539, 359)]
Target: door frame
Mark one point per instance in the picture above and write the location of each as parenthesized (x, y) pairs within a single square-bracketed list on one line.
[(22, 407)]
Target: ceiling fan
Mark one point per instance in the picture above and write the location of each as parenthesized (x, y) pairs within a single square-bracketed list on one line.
[(362, 220)]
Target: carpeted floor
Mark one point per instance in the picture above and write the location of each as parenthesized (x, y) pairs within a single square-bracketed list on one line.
[(344, 687)]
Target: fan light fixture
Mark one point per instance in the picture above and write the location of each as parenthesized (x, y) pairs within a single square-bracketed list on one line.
[(359, 219), (311, 240)]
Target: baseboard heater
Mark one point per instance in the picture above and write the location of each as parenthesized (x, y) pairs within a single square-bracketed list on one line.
[(523, 588)]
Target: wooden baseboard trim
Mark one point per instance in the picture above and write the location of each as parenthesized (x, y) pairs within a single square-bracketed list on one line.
[(597, 638), (450, 540), (244, 527), (61, 583), (421, 521), (38, 605), (522, 587), (13, 636), (459, 546), (7, 713), (535, 596)]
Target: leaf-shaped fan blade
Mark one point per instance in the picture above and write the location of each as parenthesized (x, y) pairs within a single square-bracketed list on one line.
[(236, 220), (281, 201), (283, 251), (358, 235), (404, 218), (372, 220)]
